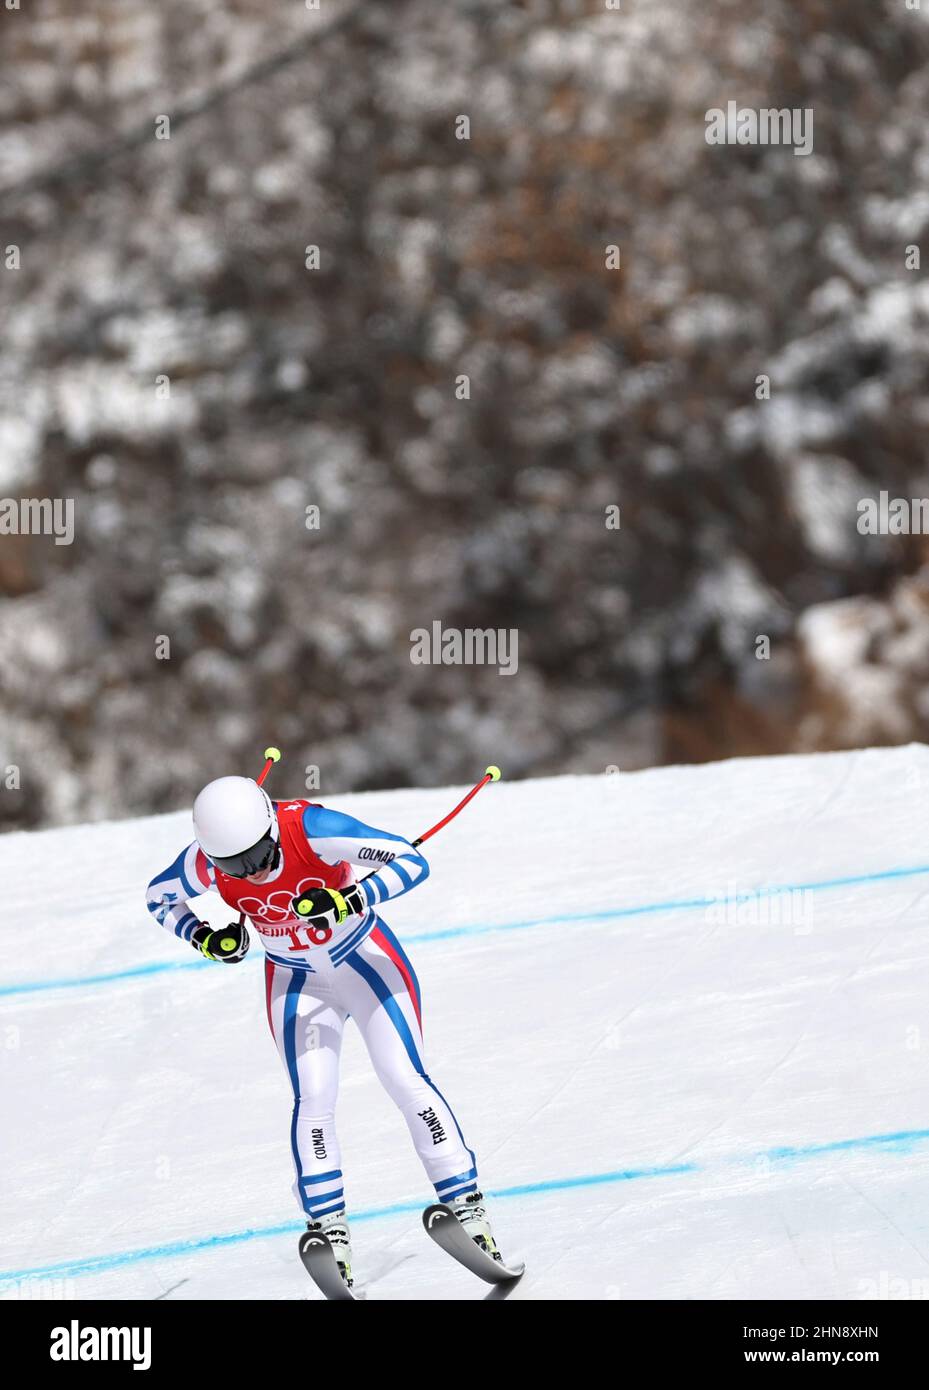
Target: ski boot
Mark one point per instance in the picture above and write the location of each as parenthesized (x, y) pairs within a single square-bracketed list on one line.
[(472, 1216), (334, 1227)]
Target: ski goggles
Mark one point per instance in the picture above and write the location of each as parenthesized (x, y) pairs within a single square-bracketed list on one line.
[(260, 856)]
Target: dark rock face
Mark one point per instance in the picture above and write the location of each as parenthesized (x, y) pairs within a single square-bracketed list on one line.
[(316, 294)]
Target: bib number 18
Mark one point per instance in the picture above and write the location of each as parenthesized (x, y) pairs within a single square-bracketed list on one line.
[(318, 936)]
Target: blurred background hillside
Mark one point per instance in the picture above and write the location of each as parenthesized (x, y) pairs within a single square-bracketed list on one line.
[(144, 259)]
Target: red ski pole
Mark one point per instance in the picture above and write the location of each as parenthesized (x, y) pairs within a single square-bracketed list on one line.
[(272, 756), (491, 775)]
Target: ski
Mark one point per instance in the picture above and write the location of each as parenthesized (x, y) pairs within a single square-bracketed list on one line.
[(321, 1265), (446, 1230)]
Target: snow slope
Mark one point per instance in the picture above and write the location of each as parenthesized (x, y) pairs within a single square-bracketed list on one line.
[(669, 1095)]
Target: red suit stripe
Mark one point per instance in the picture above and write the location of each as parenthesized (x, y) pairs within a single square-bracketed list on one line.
[(378, 937)]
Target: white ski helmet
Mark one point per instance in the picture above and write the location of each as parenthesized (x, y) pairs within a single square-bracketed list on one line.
[(235, 825)]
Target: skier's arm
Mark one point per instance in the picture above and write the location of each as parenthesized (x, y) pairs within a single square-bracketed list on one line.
[(335, 836), (168, 894)]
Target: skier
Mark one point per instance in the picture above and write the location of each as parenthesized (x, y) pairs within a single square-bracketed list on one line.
[(328, 955)]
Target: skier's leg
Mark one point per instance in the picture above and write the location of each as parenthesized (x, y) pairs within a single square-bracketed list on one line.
[(378, 985), (307, 1030)]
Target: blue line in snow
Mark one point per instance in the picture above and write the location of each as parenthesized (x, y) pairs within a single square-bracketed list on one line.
[(133, 972), (483, 929), (902, 1141)]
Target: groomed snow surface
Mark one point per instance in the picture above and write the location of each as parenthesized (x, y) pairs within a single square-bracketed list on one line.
[(678, 1085)]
